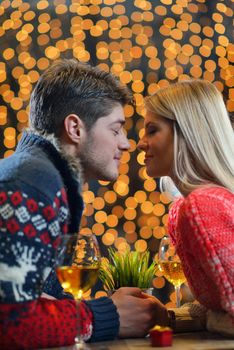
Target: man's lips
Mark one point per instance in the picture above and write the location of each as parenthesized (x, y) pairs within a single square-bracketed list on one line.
[(118, 157)]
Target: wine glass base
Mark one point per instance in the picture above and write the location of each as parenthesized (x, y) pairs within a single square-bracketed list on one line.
[(80, 346)]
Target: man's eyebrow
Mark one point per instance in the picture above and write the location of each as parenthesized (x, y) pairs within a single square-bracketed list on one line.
[(120, 121)]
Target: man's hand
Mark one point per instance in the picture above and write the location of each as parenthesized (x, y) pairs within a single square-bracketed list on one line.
[(47, 296), (138, 312)]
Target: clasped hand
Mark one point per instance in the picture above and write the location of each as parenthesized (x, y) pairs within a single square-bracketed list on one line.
[(138, 312)]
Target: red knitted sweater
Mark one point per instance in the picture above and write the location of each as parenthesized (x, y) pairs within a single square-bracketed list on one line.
[(201, 226)]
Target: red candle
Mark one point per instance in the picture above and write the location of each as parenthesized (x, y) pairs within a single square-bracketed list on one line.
[(161, 336)]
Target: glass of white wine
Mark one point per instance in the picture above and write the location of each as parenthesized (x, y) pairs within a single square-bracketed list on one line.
[(77, 267), (170, 265)]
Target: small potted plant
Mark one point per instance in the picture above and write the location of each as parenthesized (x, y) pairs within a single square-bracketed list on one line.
[(127, 269)]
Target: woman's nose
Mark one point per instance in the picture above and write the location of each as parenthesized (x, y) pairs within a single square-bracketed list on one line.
[(141, 145)]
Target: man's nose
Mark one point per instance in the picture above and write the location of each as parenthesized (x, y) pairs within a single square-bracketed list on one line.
[(124, 144)]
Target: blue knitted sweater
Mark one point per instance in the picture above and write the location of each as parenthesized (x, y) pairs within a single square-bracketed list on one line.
[(39, 201)]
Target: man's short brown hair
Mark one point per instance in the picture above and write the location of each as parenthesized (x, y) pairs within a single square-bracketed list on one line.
[(69, 86)]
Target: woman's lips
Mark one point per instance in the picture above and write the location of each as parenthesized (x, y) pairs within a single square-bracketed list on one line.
[(146, 160)]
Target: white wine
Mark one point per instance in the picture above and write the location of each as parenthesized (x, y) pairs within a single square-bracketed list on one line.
[(173, 272), (77, 279)]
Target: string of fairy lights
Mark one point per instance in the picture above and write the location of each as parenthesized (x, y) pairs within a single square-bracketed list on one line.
[(147, 44)]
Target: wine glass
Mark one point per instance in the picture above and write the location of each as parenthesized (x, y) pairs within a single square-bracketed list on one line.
[(77, 267), (170, 265)]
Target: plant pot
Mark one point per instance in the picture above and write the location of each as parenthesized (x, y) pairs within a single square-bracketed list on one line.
[(148, 291)]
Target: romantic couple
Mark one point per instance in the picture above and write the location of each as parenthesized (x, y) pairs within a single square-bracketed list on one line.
[(76, 133)]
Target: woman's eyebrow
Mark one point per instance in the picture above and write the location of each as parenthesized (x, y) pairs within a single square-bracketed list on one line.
[(150, 123)]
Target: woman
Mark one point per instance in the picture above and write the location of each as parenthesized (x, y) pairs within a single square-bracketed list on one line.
[(189, 137)]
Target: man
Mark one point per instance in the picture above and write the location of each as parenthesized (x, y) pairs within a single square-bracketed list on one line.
[(76, 133)]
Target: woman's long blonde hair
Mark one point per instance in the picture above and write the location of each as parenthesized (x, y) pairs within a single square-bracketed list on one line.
[(203, 134)]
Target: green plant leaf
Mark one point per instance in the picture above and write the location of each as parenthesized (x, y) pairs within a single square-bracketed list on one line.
[(129, 268)]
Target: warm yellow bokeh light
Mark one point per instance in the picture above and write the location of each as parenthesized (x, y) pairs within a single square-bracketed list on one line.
[(147, 45), (140, 245)]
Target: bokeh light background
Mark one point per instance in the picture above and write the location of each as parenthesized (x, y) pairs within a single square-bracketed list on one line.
[(147, 44)]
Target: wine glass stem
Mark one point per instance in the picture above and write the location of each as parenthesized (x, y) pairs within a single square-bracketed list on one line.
[(177, 293), (79, 342)]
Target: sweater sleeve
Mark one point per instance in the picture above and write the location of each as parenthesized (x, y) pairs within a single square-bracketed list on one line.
[(42, 323), (106, 319), (205, 243)]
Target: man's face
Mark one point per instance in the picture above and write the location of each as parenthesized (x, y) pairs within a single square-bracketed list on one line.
[(102, 146)]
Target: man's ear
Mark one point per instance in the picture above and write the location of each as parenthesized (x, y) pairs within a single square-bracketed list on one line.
[(73, 127)]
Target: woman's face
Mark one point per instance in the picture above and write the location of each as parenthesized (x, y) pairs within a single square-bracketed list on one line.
[(157, 143)]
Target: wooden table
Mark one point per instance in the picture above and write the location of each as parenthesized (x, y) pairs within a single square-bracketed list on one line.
[(182, 341)]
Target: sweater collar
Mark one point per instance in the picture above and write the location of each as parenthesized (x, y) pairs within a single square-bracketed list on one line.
[(50, 144), (69, 169)]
